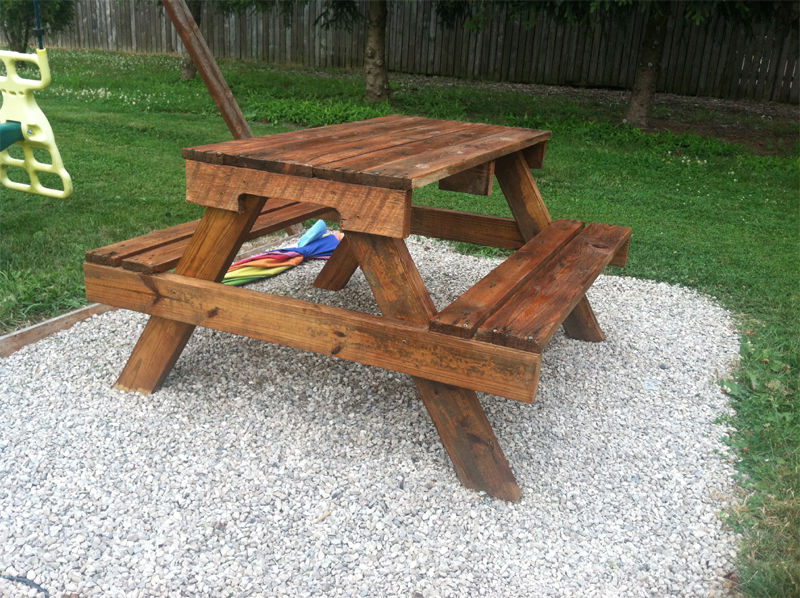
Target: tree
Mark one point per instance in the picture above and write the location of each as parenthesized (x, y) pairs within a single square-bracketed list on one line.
[(474, 14), (639, 111), (17, 19), (375, 68), (340, 14)]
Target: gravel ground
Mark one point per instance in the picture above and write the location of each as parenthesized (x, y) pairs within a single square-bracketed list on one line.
[(260, 470)]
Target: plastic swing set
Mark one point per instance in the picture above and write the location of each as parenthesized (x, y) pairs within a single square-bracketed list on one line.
[(23, 123)]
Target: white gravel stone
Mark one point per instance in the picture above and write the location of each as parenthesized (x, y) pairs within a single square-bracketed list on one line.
[(260, 470)]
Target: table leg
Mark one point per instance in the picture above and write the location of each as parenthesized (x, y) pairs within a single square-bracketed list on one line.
[(210, 252), (336, 273), (456, 412), (532, 217)]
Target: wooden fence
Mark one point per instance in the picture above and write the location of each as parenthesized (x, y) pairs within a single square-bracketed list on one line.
[(713, 59)]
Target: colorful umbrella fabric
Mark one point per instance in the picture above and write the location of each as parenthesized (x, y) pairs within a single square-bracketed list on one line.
[(276, 261)]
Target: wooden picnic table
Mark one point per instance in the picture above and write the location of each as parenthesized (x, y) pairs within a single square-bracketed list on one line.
[(363, 174)]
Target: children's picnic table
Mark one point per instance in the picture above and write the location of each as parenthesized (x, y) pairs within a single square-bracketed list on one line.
[(363, 174)]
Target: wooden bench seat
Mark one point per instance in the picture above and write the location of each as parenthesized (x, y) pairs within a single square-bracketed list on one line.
[(161, 250), (522, 302)]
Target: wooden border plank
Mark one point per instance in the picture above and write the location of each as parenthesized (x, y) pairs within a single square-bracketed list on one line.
[(14, 341)]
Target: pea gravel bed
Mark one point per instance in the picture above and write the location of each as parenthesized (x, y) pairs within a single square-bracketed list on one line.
[(264, 471)]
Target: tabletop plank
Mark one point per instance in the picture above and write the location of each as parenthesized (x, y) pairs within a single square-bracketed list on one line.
[(294, 155), (367, 168), (325, 152), (394, 152), (433, 166), (236, 148)]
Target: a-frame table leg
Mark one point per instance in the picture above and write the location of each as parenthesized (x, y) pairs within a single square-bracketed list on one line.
[(532, 217), (339, 268), (210, 252), (456, 412)]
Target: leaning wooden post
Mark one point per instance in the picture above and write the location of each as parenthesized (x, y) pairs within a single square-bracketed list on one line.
[(207, 66), (209, 71)]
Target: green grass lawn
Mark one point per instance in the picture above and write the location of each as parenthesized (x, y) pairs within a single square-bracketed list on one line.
[(705, 214)]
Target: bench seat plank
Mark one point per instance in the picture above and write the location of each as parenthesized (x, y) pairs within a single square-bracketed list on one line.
[(165, 257), (530, 317), (112, 255), (464, 316)]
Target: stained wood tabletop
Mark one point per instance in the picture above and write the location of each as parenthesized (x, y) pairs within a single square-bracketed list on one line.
[(394, 152)]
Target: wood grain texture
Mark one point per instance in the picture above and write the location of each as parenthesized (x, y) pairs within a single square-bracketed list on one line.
[(581, 323), (296, 152), (213, 246), (531, 214), (393, 152), (462, 317), (456, 411), (453, 225), (475, 181), (620, 258), (419, 170), (414, 130), (393, 277), (364, 338), (530, 318), (534, 155), (468, 438), (365, 209), (522, 194), (364, 168), (438, 223), (114, 254), (165, 257), (339, 268)]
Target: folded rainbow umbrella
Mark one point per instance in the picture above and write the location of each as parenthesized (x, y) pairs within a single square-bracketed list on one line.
[(276, 261)]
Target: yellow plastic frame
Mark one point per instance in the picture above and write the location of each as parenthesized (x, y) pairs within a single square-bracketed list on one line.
[(20, 106)]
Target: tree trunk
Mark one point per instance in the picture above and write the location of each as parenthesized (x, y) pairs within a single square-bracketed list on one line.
[(188, 70), (17, 36), (640, 105), (377, 75)]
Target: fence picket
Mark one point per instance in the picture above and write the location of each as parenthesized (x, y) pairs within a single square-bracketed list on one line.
[(714, 59)]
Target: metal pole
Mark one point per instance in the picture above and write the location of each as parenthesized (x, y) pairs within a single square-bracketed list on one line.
[(39, 32)]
